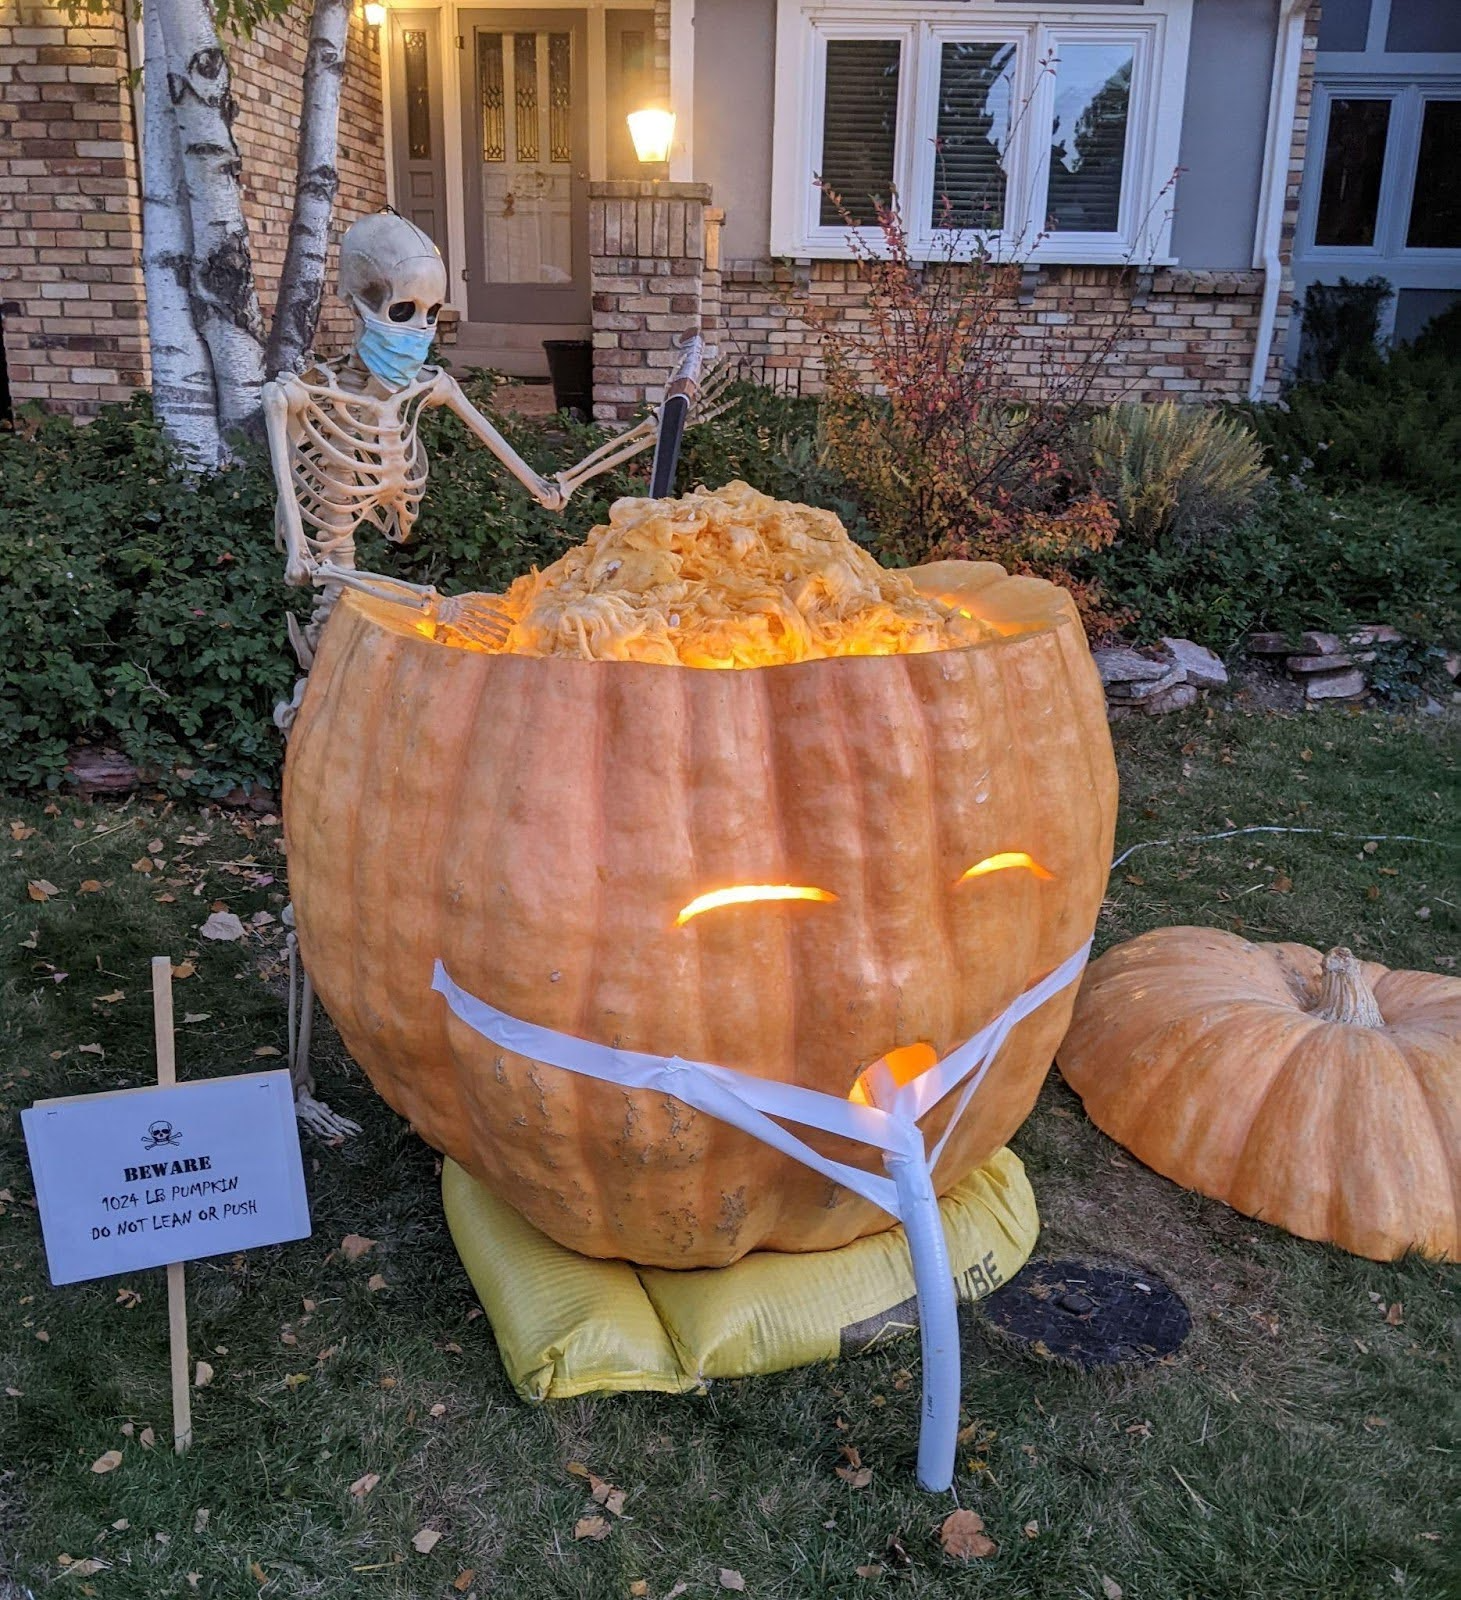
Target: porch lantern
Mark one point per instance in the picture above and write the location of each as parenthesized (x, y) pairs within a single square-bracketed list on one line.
[(653, 132), (375, 16)]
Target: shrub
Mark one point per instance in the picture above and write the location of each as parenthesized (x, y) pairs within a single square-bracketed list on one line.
[(1304, 560), (922, 418), (1382, 419), (1174, 472), (1340, 323)]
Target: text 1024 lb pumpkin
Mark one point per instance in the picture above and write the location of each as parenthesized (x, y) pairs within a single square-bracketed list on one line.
[(792, 870), (1322, 1094)]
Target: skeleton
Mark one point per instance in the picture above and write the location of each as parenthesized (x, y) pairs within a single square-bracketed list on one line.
[(345, 443)]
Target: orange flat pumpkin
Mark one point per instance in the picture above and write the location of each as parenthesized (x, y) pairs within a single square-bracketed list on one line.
[(1319, 1093)]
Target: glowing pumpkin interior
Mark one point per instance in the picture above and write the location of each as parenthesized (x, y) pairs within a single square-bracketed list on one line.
[(729, 578)]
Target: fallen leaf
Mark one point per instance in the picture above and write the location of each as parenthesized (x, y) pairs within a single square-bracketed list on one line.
[(594, 1527), (638, 1589), (679, 1589), (731, 1579), (40, 889), (1395, 1315), (195, 1016), (1110, 1588), (376, 1282), (91, 1049), (19, 831), (110, 999), (267, 1050), (184, 969), (355, 1245), (108, 1461), (426, 1541), (869, 1571), (193, 1579), (463, 1580), (855, 1477), (364, 1484), (43, 1336), (202, 1376), (962, 1536), (143, 864), (260, 1576), (12, 1392), (438, 1410), (89, 886), (222, 926), (1031, 1529), (200, 1519), (128, 1298), (84, 1569), (1282, 884), (293, 1380), (147, 1438)]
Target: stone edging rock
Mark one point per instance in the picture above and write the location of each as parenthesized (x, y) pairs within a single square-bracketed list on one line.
[(1156, 678)]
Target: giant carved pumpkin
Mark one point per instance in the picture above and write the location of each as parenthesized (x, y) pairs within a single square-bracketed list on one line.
[(1322, 1094), (792, 870)]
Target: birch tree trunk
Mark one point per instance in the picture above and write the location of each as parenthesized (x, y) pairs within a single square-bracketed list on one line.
[(183, 393), (221, 282), (302, 283)]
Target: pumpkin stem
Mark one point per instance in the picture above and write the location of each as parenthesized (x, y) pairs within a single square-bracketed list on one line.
[(1344, 996)]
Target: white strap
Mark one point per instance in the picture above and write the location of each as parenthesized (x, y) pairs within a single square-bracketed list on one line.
[(750, 1103)]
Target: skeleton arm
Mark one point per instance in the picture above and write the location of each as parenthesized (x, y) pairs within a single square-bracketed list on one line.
[(279, 400), (551, 496)]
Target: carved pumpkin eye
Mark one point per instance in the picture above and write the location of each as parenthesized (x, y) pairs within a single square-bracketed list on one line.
[(1003, 862), (744, 893), (402, 311)]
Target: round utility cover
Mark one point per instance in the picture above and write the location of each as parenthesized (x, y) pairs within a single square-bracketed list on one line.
[(1089, 1314)]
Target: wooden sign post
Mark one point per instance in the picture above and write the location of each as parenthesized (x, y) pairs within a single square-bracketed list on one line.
[(153, 1177), (177, 1302)]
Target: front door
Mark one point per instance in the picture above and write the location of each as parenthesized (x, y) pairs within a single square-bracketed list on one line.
[(525, 138)]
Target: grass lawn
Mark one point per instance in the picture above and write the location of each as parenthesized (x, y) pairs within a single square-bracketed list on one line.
[(1303, 1443)]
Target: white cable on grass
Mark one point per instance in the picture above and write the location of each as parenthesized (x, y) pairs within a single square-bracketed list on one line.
[(1269, 827)]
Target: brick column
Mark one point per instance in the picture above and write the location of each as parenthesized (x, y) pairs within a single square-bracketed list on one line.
[(647, 255)]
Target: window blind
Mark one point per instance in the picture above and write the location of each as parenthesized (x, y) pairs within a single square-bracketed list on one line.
[(1088, 139), (859, 127), (975, 105)]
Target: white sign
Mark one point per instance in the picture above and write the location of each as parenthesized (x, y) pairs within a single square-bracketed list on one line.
[(142, 1177)]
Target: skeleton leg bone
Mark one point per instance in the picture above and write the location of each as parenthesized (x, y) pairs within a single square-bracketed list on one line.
[(312, 1114)]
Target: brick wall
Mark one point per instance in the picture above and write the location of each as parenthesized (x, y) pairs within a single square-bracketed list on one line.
[(1181, 334), (70, 205), (70, 211)]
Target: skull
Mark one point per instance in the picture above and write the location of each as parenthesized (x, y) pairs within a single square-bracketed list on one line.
[(160, 1133), (390, 270)]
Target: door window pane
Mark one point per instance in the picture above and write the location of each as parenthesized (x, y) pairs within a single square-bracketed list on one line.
[(1088, 139), (859, 128), (1344, 24), (1354, 161), (1423, 25), (975, 107), (418, 94), (489, 81), (1435, 207)]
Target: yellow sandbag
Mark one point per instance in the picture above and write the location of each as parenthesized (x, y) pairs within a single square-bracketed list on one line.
[(569, 1325)]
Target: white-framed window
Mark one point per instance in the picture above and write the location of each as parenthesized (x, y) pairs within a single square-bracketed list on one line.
[(1048, 132)]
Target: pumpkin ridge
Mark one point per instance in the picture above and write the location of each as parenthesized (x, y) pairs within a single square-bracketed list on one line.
[(940, 896), (1444, 1133)]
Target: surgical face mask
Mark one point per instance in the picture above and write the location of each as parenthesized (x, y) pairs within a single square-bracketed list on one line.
[(393, 351)]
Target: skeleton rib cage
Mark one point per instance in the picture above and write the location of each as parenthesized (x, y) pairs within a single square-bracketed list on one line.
[(356, 459)]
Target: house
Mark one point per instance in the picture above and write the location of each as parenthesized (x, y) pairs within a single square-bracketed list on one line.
[(1160, 156)]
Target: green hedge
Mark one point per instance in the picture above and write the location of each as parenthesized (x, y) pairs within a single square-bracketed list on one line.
[(146, 610)]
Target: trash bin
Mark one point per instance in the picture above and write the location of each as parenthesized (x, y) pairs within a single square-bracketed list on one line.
[(571, 370)]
